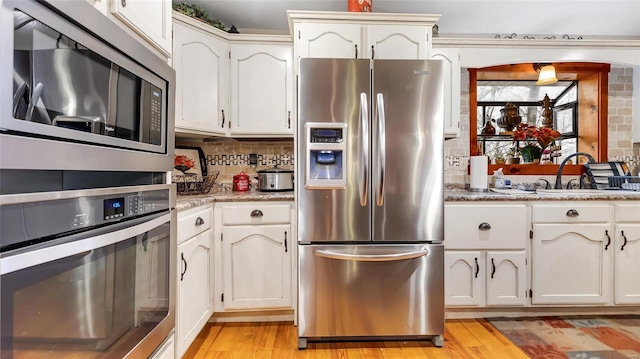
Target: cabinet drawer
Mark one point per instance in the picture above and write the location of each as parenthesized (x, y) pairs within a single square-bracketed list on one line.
[(258, 213), (570, 212), (498, 226), (627, 212), (194, 223)]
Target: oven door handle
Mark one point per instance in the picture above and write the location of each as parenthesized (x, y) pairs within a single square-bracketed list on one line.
[(89, 241)]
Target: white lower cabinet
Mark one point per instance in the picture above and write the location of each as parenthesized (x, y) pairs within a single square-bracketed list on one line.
[(255, 266), (571, 251), (195, 275), (479, 278), (571, 263), (627, 254), (485, 255)]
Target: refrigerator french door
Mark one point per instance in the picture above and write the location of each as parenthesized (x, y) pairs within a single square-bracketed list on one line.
[(370, 208)]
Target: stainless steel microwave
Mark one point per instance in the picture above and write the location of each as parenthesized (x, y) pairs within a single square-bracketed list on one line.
[(79, 93)]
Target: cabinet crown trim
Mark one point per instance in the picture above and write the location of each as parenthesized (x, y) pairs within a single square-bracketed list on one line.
[(623, 44), (296, 16)]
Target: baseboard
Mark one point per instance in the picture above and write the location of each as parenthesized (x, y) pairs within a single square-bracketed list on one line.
[(284, 315), (475, 313)]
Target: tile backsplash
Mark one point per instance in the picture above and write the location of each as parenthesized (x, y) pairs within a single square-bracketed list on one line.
[(232, 157)]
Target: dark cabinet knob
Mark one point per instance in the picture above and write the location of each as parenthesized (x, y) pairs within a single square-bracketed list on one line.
[(572, 213), (484, 226), (257, 213)]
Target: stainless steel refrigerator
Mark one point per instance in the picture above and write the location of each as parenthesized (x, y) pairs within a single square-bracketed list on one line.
[(370, 199)]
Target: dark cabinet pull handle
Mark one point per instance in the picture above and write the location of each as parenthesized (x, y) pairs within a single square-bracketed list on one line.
[(289, 120), (373, 51), (356, 45), (124, 3), (199, 221), (625, 240), (608, 240), (493, 268), (477, 268), (484, 226), (285, 241), (185, 266), (222, 118), (572, 213), (256, 213)]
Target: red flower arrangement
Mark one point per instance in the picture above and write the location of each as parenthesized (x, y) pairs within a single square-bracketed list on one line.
[(544, 136)]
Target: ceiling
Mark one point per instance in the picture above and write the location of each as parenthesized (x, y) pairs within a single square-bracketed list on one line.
[(587, 18)]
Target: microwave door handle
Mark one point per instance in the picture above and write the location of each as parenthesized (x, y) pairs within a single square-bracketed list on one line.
[(382, 149), (363, 157), (110, 125)]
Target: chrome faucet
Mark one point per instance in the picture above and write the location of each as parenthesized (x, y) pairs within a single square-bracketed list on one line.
[(558, 184)]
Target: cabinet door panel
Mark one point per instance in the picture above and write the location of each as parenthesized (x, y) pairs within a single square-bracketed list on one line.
[(627, 258), (506, 278), (570, 264), (464, 278), (257, 267), (396, 42), (451, 69), (261, 89), (194, 288), (201, 64), (329, 41), (151, 19)]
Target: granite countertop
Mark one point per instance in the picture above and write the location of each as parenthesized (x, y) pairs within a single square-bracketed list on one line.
[(191, 201), (515, 195)]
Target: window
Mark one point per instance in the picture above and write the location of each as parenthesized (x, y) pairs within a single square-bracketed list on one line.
[(578, 100)]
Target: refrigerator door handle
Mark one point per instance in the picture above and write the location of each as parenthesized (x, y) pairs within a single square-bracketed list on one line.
[(382, 149), (363, 157), (372, 257)]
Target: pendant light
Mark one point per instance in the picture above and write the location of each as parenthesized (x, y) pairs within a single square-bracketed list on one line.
[(547, 74)]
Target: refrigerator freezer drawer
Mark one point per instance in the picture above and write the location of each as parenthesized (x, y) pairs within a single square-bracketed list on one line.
[(371, 291)]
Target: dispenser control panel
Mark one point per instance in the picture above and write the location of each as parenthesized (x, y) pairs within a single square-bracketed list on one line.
[(326, 135), (326, 155)]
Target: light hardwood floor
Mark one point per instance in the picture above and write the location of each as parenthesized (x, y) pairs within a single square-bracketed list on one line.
[(464, 339)]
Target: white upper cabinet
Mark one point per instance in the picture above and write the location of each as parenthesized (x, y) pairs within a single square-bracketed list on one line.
[(358, 35), (262, 90), (334, 41), (201, 61), (396, 42), (150, 19), (451, 69)]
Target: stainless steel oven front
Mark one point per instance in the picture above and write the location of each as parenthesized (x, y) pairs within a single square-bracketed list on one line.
[(79, 93), (87, 273)]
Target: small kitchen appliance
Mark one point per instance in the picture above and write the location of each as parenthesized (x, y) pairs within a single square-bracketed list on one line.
[(275, 179)]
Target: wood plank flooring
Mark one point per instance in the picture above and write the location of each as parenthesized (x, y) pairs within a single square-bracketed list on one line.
[(464, 339)]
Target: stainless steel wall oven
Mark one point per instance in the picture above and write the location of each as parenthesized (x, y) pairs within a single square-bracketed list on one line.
[(80, 96), (87, 273)]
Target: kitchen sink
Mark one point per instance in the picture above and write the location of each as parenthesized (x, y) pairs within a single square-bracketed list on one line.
[(572, 191)]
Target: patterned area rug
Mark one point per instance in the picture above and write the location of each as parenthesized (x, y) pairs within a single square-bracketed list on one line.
[(574, 337)]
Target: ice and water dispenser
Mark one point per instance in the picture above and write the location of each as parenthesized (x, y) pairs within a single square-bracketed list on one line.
[(326, 155)]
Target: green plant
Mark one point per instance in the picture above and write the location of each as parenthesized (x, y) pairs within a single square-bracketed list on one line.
[(197, 12)]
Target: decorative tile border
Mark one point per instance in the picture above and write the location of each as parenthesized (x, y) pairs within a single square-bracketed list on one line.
[(243, 160)]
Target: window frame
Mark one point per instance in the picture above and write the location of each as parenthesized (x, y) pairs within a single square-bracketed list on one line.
[(592, 137)]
